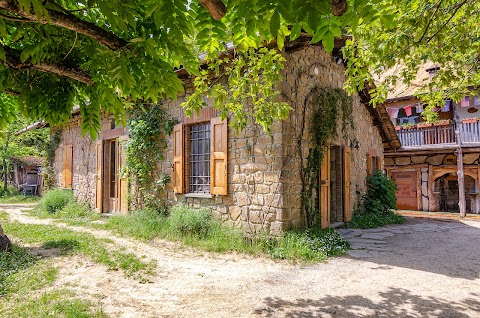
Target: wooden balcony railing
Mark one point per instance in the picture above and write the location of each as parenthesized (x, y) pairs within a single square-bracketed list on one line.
[(470, 132), (440, 135)]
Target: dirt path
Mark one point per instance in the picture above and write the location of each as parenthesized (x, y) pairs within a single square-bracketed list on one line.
[(432, 271)]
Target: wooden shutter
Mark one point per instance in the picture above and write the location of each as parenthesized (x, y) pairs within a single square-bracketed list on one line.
[(67, 166), (370, 157), (99, 176), (325, 190), (379, 164), (122, 177), (347, 203), (218, 156), (178, 158)]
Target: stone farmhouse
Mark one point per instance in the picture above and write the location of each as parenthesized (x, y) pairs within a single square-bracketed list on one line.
[(251, 179), (437, 168)]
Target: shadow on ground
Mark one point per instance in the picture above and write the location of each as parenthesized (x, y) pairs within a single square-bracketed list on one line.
[(453, 250), (395, 302)]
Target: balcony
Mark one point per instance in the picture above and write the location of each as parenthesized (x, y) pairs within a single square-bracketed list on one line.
[(440, 135)]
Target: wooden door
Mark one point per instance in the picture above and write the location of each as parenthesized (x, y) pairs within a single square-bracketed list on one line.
[(407, 189), (112, 176), (123, 178), (325, 190), (347, 206), (99, 176)]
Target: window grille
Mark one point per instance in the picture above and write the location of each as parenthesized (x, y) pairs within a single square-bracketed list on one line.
[(200, 158)]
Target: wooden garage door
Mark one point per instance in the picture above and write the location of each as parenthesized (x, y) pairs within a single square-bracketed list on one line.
[(407, 189)]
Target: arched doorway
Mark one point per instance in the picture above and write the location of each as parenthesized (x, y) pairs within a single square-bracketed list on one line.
[(447, 196)]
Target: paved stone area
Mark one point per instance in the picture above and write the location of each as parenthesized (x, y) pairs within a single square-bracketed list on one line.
[(367, 243)]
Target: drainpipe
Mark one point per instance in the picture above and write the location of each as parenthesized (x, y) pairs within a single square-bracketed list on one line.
[(460, 174)]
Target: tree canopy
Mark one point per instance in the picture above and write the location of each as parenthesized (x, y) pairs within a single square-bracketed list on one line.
[(443, 32), (110, 54)]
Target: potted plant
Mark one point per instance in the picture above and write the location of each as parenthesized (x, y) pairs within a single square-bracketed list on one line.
[(424, 125), (470, 120), (442, 122), (408, 126)]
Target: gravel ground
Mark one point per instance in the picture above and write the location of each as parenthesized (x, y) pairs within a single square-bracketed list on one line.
[(424, 268)]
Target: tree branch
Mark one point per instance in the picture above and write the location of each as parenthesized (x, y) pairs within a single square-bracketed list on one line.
[(10, 18), (11, 92), (70, 22), (430, 21), (449, 19), (12, 60), (216, 8)]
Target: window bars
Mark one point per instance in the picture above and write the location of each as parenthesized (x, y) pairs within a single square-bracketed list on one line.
[(200, 158)]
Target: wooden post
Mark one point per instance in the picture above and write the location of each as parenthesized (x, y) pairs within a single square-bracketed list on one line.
[(460, 173)]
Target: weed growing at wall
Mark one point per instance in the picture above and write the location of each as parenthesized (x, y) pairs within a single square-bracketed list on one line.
[(149, 124), (328, 106)]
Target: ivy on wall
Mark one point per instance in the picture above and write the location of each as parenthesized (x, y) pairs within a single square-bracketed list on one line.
[(148, 124), (48, 171), (328, 106)]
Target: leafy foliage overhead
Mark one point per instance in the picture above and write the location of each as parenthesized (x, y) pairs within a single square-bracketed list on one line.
[(411, 33), (110, 54), (56, 54)]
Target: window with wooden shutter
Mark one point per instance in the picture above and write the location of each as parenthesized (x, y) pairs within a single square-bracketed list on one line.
[(123, 179), (218, 156), (99, 176), (347, 206), (178, 158), (325, 190), (67, 172)]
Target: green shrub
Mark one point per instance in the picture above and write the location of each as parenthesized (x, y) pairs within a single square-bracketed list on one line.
[(144, 224), (380, 196), (372, 220), (9, 192), (194, 222), (378, 203), (55, 200)]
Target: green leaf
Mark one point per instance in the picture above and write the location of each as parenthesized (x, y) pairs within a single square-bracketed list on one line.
[(328, 42), (297, 28), (274, 23)]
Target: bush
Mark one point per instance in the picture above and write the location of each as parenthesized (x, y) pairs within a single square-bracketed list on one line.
[(380, 196), (8, 192), (55, 200), (144, 224), (378, 203), (372, 220), (194, 222)]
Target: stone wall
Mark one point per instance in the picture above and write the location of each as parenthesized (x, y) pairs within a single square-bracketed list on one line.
[(84, 158), (264, 171)]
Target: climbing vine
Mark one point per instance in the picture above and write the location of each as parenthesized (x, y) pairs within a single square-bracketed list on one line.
[(328, 106), (242, 88), (148, 124), (51, 147)]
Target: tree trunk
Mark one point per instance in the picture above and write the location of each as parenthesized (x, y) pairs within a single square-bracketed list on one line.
[(5, 176)]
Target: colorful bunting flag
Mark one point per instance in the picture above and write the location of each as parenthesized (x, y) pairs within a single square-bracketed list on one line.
[(446, 107), (394, 112), (465, 102), (408, 110), (419, 108), (476, 100)]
